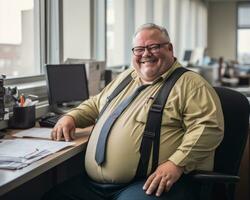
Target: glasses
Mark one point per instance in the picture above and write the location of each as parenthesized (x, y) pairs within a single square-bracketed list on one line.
[(153, 48)]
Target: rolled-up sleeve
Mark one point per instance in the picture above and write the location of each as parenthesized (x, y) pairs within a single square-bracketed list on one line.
[(86, 113), (203, 123)]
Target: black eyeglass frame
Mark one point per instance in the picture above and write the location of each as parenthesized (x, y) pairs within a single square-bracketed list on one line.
[(149, 48)]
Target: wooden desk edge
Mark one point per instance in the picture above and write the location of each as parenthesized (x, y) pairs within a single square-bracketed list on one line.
[(23, 175)]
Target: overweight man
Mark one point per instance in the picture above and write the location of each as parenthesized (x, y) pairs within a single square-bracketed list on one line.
[(191, 128)]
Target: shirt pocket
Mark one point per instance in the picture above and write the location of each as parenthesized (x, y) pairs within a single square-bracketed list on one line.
[(142, 115), (171, 114)]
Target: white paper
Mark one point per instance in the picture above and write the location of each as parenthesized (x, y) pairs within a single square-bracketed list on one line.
[(44, 133), (18, 153)]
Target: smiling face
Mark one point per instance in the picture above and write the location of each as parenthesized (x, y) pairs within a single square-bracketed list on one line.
[(150, 66)]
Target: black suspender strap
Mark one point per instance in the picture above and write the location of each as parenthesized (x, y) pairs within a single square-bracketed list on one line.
[(152, 129), (117, 90)]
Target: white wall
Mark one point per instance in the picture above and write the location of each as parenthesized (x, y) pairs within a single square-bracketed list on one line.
[(222, 29)]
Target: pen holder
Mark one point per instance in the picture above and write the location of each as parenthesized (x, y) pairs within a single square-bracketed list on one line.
[(23, 117)]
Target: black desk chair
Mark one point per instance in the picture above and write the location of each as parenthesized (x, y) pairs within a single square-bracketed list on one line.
[(220, 184)]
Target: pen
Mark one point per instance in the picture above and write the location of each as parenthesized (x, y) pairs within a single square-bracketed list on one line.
[(22, 100)]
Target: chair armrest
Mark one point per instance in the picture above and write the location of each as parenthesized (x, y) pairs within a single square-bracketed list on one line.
[(213, 177)]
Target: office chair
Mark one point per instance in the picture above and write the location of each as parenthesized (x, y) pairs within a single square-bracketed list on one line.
[(220, 184)]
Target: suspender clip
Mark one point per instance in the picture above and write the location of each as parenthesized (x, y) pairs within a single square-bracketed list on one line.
[(156, 108), (149, 134)]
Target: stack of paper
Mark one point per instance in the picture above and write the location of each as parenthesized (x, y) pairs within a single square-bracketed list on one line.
[(18, 153), (44, 133)]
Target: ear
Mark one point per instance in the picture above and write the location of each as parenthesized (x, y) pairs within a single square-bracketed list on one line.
[(170, 47)]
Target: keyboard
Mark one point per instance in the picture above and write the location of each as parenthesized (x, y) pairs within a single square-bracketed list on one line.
[(49, 121)]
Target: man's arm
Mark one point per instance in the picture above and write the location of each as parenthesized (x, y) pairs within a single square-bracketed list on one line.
[(204, 128), (86, 113), (203, 121), (82, 116)]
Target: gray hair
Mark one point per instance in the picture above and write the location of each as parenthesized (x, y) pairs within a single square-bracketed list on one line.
[(152, 26)]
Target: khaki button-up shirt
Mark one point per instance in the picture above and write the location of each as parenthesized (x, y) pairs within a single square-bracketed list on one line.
[(192, 126)]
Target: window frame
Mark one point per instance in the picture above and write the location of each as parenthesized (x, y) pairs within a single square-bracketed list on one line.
[(49, 41), (19, 81), (23, 79), (51, 48), (239, 4)]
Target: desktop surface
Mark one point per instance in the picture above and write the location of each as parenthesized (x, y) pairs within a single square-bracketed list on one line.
[(11, 179)]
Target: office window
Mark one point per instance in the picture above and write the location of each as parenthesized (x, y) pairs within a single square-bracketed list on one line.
[(110, 32), (120, 28), (243, 33), (19, 38)]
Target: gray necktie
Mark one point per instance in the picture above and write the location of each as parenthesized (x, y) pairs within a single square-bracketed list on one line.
[(102, 140)]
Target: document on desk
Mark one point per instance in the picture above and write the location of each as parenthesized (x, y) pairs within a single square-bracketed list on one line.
[(44, 133), (19, 153)]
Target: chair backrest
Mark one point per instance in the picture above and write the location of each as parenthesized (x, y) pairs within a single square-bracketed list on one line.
[(236, 109)]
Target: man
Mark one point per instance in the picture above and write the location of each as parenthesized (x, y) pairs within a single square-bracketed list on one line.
[(191, 129)]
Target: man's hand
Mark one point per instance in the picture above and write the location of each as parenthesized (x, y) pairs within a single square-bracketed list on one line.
[(163, 178), (64, 128)]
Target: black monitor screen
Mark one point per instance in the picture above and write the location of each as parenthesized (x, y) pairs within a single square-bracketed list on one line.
[(66, 83), (187, 55)]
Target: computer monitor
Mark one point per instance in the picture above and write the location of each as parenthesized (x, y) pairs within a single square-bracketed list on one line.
[(67, 85), (187, 55)]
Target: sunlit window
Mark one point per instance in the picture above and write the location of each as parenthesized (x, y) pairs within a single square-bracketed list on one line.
[(19, 38), (243, 34), (120, 28), (110, 33)]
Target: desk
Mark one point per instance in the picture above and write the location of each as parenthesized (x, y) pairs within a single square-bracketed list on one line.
[(11, 179)]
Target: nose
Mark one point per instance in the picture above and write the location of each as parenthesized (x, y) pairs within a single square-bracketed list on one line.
[(146, 53)]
